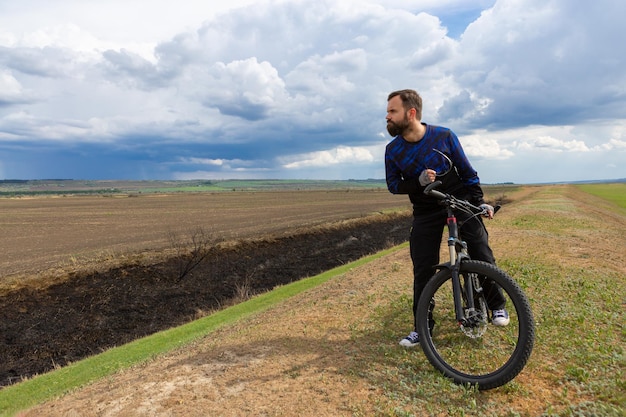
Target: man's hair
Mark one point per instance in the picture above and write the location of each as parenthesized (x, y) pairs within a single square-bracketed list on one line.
[(410, 100)]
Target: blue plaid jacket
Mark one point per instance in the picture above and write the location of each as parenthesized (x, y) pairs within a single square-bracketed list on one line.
[(405, 161)]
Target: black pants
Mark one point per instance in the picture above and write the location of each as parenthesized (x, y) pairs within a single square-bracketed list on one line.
[(425, 245)]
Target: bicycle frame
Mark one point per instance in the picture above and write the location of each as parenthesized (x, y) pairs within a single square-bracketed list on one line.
[(457, 249), (458, 356)]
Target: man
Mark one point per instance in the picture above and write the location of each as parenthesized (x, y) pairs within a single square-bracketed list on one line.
[(413, 159)]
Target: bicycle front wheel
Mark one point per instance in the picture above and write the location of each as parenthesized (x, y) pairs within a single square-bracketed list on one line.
[(479, 354)]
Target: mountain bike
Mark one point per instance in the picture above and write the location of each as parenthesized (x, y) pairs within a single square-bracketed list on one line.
[(463, 344)]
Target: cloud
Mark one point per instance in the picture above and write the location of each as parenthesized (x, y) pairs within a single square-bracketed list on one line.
[(204, 161), (10, 90), (295, 88), (613, 144), (321, 76), (481, 146), (48, 61), (247, 89), (548, 143), (133, 70), (339, 155), (526, 61)]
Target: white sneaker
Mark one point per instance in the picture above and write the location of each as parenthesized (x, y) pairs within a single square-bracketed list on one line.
[(500, 317), (411, 340)]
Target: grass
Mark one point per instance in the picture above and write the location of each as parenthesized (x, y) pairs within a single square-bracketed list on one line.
[(9, 188), (615, 193), (579, 351), (579, 310), (577, 367), (56, 383), (15, 188)]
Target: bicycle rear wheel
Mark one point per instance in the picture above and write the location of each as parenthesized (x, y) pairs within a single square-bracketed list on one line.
[(483, 355)]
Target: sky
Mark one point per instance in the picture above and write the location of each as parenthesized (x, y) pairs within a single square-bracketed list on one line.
[(295, 89)]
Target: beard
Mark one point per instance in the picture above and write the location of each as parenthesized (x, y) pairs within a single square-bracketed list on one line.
[(396, 129)]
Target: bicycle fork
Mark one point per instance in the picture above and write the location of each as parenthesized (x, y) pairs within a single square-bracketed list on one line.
[(455, 262)]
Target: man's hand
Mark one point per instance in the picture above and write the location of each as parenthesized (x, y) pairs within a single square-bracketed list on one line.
[(488, 210), (426, 177)]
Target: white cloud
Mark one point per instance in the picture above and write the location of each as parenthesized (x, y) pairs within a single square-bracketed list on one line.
[(481, 146), (325, 75), (549, 143), (339, 155), (301, 86), (613, 144), (115, 21), (10, 88), (238, 173), (248, 89), (529, 57), (204, 161)]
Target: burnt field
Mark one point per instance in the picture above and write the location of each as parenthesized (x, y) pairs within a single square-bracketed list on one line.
[(82, 274)]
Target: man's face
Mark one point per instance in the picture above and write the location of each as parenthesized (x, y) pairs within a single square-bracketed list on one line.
[(397, 120)]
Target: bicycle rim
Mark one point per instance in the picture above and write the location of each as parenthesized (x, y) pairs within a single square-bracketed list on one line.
[(488, 358)]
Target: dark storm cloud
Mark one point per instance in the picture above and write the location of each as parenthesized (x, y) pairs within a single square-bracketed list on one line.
[(299, 88)]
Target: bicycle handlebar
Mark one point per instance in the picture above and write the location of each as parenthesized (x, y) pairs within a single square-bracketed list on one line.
[(452, 201), (430, 190)]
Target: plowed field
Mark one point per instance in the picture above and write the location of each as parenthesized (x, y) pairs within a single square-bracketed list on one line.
[(41, 236), (80, 274)]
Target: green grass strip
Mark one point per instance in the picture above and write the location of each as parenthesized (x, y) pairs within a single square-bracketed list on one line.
[(58, 382), (615, 193)]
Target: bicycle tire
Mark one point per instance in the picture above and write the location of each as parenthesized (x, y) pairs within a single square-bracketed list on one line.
[(486, 361)]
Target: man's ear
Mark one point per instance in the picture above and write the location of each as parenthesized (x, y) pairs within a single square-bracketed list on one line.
[(412, 112)]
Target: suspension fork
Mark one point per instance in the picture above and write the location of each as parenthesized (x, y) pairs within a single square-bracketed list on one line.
[(455, 262)]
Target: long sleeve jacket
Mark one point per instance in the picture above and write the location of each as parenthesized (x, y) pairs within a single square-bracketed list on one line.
[(405, 161)]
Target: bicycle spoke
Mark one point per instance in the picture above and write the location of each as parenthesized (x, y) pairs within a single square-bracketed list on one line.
[(478, 352), (474, 356)]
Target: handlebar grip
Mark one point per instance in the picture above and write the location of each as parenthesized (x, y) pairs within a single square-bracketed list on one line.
[(496, 208), (429, 187), (438, 194)]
